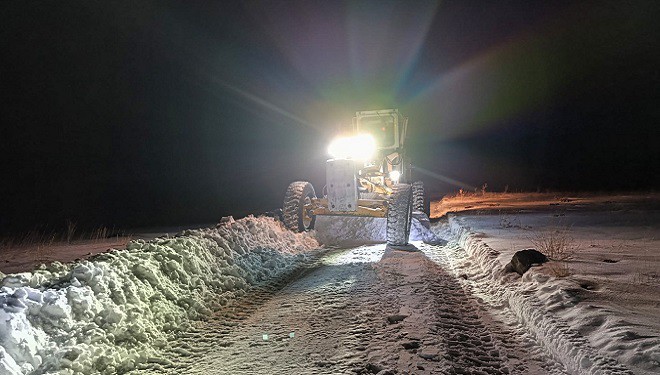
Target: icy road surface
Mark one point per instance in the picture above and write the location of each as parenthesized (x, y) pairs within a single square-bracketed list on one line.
[(368, 310)]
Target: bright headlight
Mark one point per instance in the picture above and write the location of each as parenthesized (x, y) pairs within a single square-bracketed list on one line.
[(360, 147), (395, 175)]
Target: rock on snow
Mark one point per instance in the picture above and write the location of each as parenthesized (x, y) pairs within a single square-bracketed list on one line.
[(114, 311)]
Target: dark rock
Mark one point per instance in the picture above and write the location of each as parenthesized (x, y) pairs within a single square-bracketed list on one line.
[(374, 368), (429, 356), (410, 345), (522, 260), (396, 318)]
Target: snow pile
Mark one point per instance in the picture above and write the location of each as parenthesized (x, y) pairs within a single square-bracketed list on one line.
[(549, 307), (114, 312)]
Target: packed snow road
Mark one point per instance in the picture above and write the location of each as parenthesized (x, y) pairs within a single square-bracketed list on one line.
[(363, 310)]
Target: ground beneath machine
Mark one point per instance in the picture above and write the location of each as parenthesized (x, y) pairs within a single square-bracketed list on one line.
[(363, 310)]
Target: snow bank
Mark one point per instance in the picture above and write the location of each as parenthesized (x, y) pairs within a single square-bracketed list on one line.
[(112, 313), (543, 303)]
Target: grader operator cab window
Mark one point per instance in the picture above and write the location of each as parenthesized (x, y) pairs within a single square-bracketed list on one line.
[(383, 127)]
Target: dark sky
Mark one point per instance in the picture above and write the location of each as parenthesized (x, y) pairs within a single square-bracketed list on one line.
[(145, 113)]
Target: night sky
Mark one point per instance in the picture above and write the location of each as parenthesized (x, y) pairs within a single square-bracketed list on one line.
[(146, 113)]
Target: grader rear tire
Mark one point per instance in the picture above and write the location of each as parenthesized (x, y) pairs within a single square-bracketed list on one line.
[(298, 194), (421, 202), (399, 215)]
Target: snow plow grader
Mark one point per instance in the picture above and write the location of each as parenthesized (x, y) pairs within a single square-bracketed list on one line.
[(367, 175)]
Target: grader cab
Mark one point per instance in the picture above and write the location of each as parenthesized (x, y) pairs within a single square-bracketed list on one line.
[(367, 175)]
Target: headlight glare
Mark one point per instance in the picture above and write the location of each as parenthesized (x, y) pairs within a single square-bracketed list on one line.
[(360, 147)]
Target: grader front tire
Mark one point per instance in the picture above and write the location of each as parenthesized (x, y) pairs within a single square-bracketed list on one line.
[(399, 215), (296, 218)]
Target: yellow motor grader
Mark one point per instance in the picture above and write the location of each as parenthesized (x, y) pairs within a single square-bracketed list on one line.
[(368, 175)]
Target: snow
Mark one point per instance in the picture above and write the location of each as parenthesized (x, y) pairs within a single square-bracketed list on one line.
[(600, 318), (122, 310), (610, 296), (115, 311)]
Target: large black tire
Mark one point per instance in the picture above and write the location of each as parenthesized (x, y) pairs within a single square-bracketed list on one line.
[(297, 195), (421, 202), (399, 215)]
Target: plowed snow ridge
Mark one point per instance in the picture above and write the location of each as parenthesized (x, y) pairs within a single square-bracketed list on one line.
[(119, 310)]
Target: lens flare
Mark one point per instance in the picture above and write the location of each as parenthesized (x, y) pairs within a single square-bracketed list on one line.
[(360, 147)]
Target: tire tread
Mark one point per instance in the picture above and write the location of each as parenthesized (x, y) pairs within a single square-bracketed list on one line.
[(399, 215)]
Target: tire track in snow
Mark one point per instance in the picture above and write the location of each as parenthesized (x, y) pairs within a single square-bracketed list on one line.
[(459, 335), (330, 331), (358, 314)]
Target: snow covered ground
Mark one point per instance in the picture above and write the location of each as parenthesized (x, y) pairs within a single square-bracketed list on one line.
[(598, 310), (250, 297), (607, 291), (119, 310), (369, 310)]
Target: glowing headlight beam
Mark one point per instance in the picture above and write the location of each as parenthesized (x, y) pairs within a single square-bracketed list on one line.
[(395, 175), (360, 147), (268, 105)]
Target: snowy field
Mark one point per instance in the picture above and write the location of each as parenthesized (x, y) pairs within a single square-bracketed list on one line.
[(250, 297), (607, 288)]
